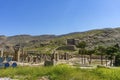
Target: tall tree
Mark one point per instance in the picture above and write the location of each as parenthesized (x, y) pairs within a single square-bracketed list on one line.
[(90, 52), (82, 50), (112, 51), (101, 51), (117, 55)]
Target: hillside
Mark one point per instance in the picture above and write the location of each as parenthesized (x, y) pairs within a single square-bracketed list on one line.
[(107, 36)]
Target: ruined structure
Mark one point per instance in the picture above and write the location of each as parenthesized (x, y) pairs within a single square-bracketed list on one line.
[(17, 53), (1, 52), (72, 41)]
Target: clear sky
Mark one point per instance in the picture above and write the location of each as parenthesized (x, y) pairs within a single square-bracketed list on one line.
[(37, 17)]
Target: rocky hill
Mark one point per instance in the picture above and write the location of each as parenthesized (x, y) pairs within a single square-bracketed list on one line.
[(107, 36)]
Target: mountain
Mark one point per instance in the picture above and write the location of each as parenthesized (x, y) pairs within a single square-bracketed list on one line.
[(27, 38), (2, 40), (107, 36)]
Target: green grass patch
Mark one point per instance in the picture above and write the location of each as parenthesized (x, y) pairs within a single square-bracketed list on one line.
[(61, 72)]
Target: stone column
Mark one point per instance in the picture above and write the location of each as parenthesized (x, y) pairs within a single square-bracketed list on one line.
[(41, 57), (1, 52), (28, 59), (34, 59), (53, 56), (17, 53), (57, 57), (66, 56)]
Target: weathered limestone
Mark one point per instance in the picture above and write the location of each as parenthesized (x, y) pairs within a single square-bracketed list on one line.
[(72, 41), (49, 63), (1, 52), (66, 57), (34, 59), (17, 53), (54, 58)]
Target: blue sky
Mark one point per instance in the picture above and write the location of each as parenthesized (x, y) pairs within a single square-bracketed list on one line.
[(37, 17)]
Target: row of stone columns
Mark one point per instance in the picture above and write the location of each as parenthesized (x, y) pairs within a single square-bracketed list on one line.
[(21, 56), (43, 57), (58, 56)]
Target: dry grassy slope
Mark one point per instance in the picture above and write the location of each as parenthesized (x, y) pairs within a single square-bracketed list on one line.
[(2, 40), (106, 36), (27, 38)]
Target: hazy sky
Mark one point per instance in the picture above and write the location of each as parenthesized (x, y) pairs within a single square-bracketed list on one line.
[(38, 17)]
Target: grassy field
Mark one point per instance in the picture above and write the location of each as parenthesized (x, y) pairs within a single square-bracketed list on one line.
[(60, 72)]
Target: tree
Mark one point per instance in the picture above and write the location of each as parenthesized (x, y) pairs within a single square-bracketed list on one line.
[(82, 50), (117, 59), (117, 55), (112, 52), (90, 52), (81, 45), (101, 51)]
